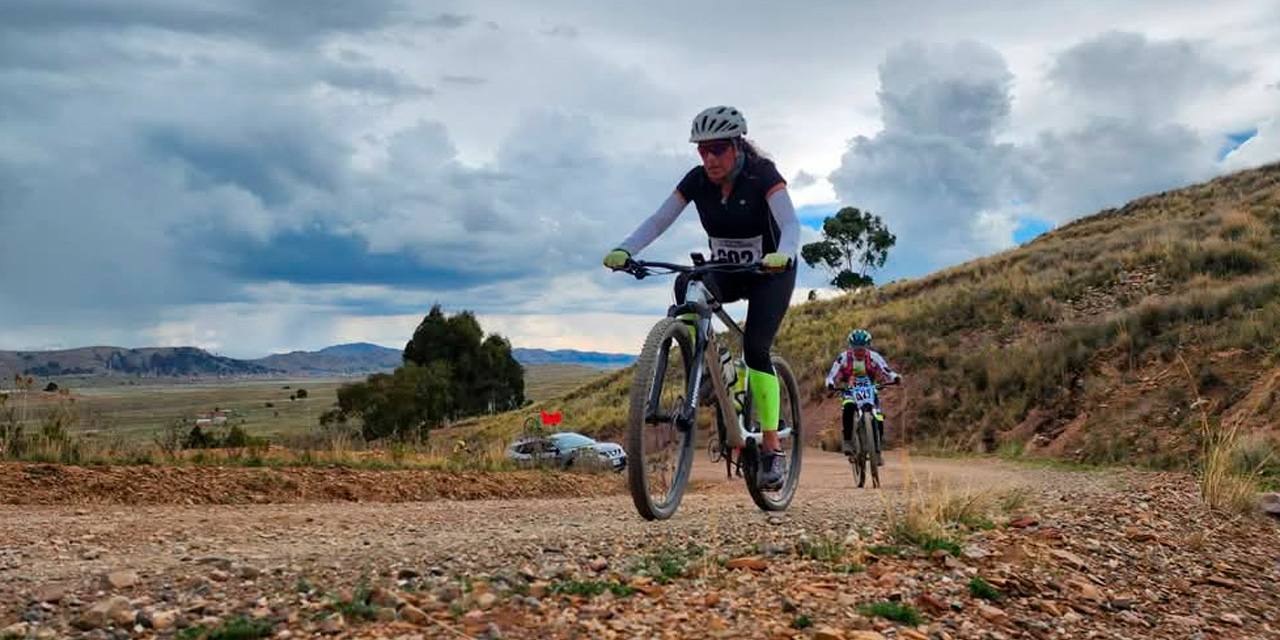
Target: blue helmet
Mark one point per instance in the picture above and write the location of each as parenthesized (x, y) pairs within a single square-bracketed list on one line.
[(860, 338)]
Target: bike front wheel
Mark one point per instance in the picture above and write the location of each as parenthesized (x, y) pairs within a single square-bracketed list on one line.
[(660, 451)]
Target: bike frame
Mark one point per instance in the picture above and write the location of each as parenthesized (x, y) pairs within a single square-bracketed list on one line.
[(699, 300), (863, 408), (701, 303)]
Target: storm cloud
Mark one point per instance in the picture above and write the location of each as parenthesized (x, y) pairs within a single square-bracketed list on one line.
[(253, 176)]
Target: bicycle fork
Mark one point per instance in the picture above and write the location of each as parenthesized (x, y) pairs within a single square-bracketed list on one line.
[(702, 356)]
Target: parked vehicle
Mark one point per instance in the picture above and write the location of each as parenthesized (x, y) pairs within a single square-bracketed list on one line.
[(566, 450)]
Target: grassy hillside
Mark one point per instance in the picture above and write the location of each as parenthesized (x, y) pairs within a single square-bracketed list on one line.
[(1071, 345), (1074, 343), (546, 381)]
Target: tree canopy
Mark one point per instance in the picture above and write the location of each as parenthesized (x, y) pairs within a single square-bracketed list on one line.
[(451, 370), (853, 243)]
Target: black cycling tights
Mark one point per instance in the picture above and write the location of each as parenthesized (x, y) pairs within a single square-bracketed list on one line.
[(767, 294)]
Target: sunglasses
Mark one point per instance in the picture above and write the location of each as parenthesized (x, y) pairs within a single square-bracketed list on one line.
[(715, 149)]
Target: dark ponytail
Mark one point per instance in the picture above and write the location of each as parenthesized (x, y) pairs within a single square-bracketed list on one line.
[(750, 150)]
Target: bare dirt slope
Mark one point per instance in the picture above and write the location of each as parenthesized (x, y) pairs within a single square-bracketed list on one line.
[(55, 484), (1112, 554)]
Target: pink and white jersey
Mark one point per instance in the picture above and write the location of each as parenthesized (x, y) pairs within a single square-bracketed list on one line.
[(849, 366)]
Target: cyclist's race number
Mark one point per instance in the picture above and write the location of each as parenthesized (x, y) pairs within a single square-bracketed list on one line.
[(737, 250), (863, 394)]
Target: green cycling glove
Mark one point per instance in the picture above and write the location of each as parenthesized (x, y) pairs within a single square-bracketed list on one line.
[(617, 258), (776, 261)]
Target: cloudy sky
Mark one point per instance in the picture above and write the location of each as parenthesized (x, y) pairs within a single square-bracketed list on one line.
[(255, 176)]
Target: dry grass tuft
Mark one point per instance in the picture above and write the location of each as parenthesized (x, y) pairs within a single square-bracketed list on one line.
[(931, 510), (1224, 487)]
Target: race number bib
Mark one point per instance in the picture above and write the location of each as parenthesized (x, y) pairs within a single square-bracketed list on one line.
[(737, 250), (863, 394)]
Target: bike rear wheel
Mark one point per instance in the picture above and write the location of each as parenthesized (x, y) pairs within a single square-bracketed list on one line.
[(793, 446), (659, 451)]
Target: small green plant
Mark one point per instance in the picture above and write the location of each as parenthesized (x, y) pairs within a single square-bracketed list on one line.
[(358, 607), (929, 544), (667, 563), (399, 451), (239, 628), (591, 588), (896, 611), (1009, 450), (884, 550), (848, 568), (193, 633), (980, 588), (824, 548), (303, 585), (1014, 500), (801, 622), (979, 523)]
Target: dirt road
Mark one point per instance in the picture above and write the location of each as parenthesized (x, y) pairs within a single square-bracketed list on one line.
[(210, 563), (76, 544)]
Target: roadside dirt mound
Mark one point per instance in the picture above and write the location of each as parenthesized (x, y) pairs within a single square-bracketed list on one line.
[(47, 484)]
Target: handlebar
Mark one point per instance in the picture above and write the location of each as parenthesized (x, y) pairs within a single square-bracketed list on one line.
[(878, 386), (643, 268)]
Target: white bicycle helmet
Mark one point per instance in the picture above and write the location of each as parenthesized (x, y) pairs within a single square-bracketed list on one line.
[(717, 123)]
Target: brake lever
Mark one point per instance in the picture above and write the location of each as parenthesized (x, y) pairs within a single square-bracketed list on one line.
[(634, 268)]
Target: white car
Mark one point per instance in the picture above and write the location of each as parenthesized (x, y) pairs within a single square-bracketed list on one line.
[(563, 449)]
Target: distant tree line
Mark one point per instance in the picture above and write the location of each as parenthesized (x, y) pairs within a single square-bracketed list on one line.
[(451, 370), (54, 368)]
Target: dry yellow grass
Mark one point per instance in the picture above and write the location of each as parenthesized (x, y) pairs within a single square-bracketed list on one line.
[(926, 509), (1226, 487)]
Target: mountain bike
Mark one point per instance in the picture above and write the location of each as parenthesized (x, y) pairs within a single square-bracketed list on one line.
[(866, 440), (681, 354)]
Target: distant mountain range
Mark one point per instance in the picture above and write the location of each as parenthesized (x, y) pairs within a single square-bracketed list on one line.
[(151, 362), (145, 362), (569, 356), (355, 358)]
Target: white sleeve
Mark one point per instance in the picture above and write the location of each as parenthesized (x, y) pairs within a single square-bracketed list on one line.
[(785, 214), (880, 362), (660, 221), (835, 369)]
